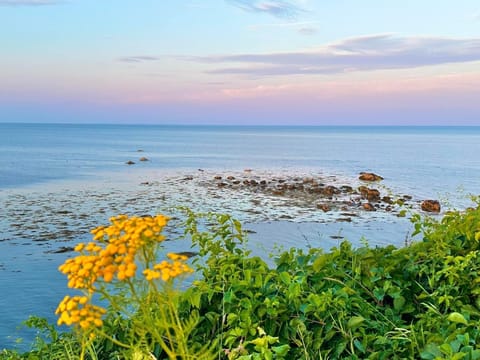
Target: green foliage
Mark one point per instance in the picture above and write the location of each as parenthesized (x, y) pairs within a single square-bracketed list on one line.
[(421, 301)]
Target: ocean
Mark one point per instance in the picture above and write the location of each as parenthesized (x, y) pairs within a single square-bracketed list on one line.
[(57, 181)]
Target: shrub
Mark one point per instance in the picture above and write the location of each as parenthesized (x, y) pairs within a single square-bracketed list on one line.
[(421, 301)]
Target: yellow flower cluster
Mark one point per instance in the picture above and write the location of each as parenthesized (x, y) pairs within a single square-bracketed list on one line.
[(77, 311), (168, 270), (113, 250)]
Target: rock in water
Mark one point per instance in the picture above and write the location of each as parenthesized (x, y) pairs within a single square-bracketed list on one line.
[(323, 207), (368, 207), (431, 206), (369, 177), (369, 194)]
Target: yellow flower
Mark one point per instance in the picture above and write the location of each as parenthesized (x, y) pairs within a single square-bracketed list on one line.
[(167, 270), (113, 250), (77, 311)]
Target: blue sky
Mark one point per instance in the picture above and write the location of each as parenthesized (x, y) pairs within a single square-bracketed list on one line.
[(240, 61)]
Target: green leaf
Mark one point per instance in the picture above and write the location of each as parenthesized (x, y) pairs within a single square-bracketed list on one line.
[(228, 297), (355, 322), (457, 318), (359, 345), (285, 277), (320, 262), (379, 293), (398, 303), (281, 350), (475, 354)]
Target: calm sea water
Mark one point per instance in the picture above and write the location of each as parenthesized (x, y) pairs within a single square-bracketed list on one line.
[(427, 162), (430, 160)]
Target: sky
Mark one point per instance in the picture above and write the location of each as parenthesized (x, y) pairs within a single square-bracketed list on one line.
[(279, 62)]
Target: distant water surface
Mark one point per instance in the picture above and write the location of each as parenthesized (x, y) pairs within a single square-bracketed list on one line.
[(427, 160)]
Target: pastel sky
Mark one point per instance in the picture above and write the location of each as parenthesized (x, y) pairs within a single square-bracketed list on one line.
[(336, 62)]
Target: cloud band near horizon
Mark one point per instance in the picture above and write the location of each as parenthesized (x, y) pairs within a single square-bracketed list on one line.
[(363, 53)]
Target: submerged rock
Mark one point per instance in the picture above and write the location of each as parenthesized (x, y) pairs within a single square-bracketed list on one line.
[(330, 190), (323, 207), (61, 250), (368, 207), (130, 162), (431, 206), (387, 199)]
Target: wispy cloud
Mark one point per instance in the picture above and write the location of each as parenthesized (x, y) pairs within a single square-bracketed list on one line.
[(277, 8), (364, 53), (307, 30), (138, 59), (29, 2), (289, 24)]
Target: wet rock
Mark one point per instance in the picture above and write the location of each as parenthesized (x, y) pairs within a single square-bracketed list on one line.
[(347, 219), (130, 162), (368, 207), (330, 190), (369, 194), (373, 195), (61, 250), (292, 186), (143, 158), (387, 199), (263, 182), (362, 189), (346, 189), (324, 207), (222, 184), (188, 254), (236, 182), (431, 206), (246, 182), (315, 190), (217, 177), (188, 178), (407, 197), (366, 176), (230, 177), (349, 214), (278, 192), (247, 170)]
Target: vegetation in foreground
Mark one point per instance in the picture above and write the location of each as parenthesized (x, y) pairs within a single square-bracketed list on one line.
[(417, 302)]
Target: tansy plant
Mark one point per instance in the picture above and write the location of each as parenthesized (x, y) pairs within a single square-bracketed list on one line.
[(120, 268)]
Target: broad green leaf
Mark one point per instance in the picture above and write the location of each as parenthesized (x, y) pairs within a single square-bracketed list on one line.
[(355, 322), (457, 318)]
